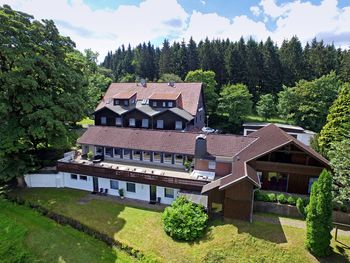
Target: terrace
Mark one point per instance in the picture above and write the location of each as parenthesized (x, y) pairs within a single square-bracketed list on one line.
[(146, 173)]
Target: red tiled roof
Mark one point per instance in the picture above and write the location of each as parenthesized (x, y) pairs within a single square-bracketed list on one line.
[(266, 140), (124, 95), (164, 96), (162, 141), (190, 93)]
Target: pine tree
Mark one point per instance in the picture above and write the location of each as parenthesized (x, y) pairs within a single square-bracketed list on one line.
[(345, 66), (319, 216), (192, 53), (338, 120), (165, 59)]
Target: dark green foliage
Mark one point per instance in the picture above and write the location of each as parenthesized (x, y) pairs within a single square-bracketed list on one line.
[(236, 101), (308, 102), (169, 77), (319, 216), (184, 220), (338, 121), (301, 207), (282, 199), (43, 90), (345, 67), (291, 200), (266, 106)]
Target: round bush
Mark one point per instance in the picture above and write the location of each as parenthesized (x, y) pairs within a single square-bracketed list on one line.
[(281, 198), (272, 197), (291, 200), (184, 220)]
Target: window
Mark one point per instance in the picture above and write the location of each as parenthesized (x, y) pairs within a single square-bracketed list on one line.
[(164, 104), (118, 121), (131, 187), (144, 123), (127, 154), (73, 176), (146, 156), (170, 104), (132, 122), (109, 151), (103, 120), (83, 177), (137, 155), (212, 165), (99, 150), (160, 124), (154, 104), (168, 158), (178, 159), (178, 125), (156, 157), (117, 153), (169, 192), (116, 102), (311, 181), (126, 103), (132, 101), (114, 184)]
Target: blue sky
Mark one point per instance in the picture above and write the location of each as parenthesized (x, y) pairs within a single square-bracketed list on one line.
[(103, 25)]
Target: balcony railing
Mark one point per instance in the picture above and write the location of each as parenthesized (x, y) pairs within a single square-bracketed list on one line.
[(132, 176)]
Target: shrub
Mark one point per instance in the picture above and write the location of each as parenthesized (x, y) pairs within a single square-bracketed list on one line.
[(319, 216), (301, 207), (258, 196), (291, 200), (282, 199), (90, 155), (184, 220), (272, 197)]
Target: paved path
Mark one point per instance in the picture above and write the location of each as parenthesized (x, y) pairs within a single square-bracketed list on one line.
[(290, 222)]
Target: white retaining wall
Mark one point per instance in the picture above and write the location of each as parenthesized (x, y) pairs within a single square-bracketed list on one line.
[(64, 180)]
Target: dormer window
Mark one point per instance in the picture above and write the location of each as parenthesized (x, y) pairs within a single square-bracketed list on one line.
[(154, 104), (118, 121), (132, 101), (164, 104), (132, 122), (170, 104), (103, 120), (116, 102), (126, 103)]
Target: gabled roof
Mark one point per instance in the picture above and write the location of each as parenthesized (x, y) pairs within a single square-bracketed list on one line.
[(124, 95), (164, 96), (190, 93), (267, 139), (162, 141)]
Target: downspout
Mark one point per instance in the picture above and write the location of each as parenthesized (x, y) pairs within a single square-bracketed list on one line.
[(252, 207)]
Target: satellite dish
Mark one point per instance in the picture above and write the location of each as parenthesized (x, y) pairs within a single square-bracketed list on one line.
[(143, 82)]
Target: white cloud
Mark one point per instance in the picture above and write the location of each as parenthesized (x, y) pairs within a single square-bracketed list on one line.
[(255, 10), (152, 20)]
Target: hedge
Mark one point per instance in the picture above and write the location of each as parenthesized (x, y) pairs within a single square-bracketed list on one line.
[(280, 198)]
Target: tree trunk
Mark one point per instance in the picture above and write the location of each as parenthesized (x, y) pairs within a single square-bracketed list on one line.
[(20, 181)]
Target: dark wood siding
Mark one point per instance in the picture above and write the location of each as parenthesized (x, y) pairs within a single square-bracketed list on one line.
[(138, 116), (110, 115), (238, 201), (223, 169), (169, 119)]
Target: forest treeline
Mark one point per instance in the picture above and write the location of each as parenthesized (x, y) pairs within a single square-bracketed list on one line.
[(262, 66)]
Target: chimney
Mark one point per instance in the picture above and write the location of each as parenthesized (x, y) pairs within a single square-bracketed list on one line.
[(171, 83), (143, 83), (201, 146)]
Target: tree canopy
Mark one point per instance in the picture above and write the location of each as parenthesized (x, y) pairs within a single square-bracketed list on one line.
[(266, 106), (43, 90)]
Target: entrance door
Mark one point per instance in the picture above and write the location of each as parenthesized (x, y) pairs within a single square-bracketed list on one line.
[(95, 184), (153, 194)]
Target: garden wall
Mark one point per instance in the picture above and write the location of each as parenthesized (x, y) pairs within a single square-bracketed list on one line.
[(292, 211)]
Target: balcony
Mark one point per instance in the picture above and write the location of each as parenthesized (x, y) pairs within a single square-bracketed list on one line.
[(139, 173)]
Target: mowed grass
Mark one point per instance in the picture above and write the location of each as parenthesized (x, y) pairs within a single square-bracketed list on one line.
[(256, 118), (26, 236), (234, 241), (86, 121)]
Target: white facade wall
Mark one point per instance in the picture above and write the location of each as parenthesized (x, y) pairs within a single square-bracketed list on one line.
[(64, 180), (305, 138)]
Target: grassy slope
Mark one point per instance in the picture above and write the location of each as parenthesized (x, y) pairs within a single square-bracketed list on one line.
[(41, 240), (256, 118), (86, 121), (235, 241)]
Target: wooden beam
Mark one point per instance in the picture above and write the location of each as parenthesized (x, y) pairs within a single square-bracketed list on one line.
[(286, 168)]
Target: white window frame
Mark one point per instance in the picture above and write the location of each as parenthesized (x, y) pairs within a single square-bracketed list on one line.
[(145, 123), (170, 104), (212, 165), (154, 103), (103, 120), (164, 104), (160, 122), (116, 102), (132, 122), (169, 195), (126, 103), (177, 125), (118, 121)]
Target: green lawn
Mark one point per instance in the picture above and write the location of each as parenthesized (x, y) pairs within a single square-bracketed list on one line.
[(234, 241), (26, 236), (256, 118), (86, 121)]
